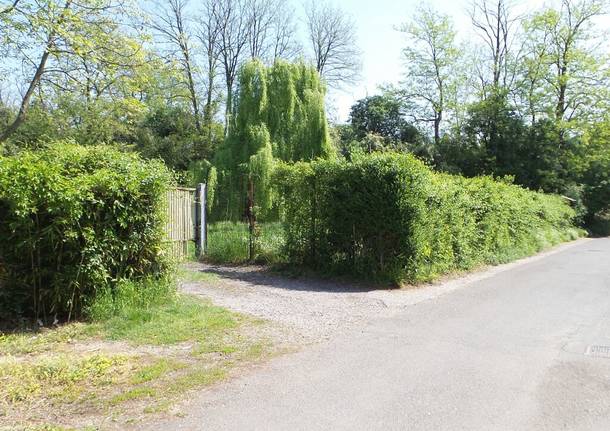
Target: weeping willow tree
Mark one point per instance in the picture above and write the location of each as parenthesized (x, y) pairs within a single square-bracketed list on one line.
[(278, 114)]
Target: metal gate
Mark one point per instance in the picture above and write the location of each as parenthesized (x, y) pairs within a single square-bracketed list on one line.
[(186, 220)]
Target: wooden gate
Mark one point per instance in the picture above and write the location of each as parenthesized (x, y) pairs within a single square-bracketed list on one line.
[(180, 220), (186, 220)]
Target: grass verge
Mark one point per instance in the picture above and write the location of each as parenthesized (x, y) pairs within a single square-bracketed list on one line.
[(144, 347)]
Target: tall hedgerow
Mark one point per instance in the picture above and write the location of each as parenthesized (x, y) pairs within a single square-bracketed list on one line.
[(74, 221), (388, 216)]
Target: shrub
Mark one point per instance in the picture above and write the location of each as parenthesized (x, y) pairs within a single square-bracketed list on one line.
[(75, 220), (389, 217)]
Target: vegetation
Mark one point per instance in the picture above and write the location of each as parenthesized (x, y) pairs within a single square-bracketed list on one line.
[(228, 242), (104, 104), (279, 114), (527, 99), (75, 221), (136, 357), (179, 81), (389, 217), (378, 123)]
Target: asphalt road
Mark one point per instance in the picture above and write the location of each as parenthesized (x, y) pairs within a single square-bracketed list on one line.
[(521, 350)]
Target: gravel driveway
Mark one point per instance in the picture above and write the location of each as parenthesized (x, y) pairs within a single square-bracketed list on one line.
[(311, 309), (308, 310)]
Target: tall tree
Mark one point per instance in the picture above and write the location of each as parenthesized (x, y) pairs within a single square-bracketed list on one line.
[(384, 115), (430, 58), (261, 15), (332, 42), (231, 19), (209, 32), (494, 22), (272, 30), (279, 113), (284, 44), (44, 32), (170, 23), (576, 75), (534, 69)]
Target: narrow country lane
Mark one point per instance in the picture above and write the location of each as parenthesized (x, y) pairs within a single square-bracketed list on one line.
[(525, 349)]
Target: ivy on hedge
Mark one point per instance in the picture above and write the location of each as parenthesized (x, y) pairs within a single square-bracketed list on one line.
[(389, 217), (74, 220)]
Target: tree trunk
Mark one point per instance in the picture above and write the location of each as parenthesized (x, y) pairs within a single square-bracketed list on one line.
[(437, 127), (207, 114), (229, 106), (561, 103), (191, 84), (251, 218), (25, 102)]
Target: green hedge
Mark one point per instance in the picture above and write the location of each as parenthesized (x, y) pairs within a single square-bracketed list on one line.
[(76, 220), (389, 217)]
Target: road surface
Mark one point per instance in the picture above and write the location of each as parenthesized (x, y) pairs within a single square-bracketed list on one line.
[(525, 349)]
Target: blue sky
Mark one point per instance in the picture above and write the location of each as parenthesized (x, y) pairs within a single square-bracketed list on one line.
[(381, 44)]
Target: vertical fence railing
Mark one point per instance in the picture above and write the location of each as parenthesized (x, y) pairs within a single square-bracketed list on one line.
[(201, 234)]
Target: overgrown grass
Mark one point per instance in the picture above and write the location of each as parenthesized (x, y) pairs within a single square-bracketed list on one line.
[(144, 345), (27, 342), (181, 319), (156, 370), (228, 242), (151, 312)]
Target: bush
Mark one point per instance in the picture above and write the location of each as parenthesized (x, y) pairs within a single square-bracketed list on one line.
[(389, 217), (74, 221)]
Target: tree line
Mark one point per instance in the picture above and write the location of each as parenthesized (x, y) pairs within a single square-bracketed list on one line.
[(521, 95), (160, 76), (527, 98)]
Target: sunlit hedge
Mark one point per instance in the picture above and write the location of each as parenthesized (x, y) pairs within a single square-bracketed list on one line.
[(74, 220), (389, 217)]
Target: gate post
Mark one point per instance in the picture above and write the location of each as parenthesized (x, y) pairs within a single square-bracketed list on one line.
[(200, 220)]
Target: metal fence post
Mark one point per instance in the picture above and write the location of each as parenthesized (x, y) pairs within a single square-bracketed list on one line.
[(200, 220)]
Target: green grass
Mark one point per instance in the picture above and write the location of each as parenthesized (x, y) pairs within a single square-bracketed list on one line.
[(44, 340), (156, 370), (228, 242), (151, 312), (159, 407), (59, 378), (144, 346), (182, 319), (197, 378), (133, 394), (195, 276)]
